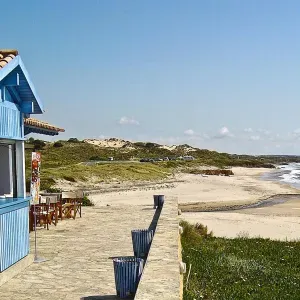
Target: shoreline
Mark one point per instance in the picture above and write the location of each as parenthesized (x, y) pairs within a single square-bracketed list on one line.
[(221, 207), (280, 221), (197, 192)]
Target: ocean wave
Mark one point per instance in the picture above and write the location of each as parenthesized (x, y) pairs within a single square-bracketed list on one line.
[(291, 173)]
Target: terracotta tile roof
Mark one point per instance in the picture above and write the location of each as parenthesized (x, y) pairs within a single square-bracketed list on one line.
[(41, 124), (6, 55)]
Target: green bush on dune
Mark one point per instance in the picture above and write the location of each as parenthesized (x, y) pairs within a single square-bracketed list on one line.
[(87, 202)]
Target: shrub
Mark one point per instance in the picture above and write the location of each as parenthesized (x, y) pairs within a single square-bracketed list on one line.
[(203, 231), (151, 145), (47, 183), (38, 144), (73, 140), (210, 172), (69, 178), (53, 190), (58, 145), (96, 157), (87, 202)]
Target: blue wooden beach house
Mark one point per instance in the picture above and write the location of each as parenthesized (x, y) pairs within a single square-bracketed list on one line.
[(18, 101)]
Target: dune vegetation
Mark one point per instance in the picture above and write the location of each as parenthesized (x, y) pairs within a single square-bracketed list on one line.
[(75, 160), (240, 268)]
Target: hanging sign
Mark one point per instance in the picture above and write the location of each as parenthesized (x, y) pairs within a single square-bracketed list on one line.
[(35, 176)]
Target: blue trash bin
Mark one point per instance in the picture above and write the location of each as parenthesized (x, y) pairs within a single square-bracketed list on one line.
[(161, 201), (128, 271), (141, 242), (155, 197)]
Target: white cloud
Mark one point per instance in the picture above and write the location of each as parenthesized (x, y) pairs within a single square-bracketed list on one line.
[(223, 133), (189, 132), (248, 130), (296, 131), (255, 137), (128, 121), (264, 132)]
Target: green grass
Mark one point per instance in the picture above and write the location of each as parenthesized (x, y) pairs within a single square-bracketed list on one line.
[(107, 171), (103, 172), (239, 268)]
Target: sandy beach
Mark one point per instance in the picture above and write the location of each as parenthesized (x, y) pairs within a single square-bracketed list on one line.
[(280, 221), (244, 187)]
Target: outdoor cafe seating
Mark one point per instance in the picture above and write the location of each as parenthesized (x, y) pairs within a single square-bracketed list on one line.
[(55, 206)]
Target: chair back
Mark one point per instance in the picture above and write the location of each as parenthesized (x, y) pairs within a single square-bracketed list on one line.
[(43, 199), (39, 208), (68, 195), (51, 199), (80, 194)]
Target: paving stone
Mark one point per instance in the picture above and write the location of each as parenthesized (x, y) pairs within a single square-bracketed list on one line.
[(79, 255)]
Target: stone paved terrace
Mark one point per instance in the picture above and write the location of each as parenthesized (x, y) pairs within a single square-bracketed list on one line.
[(79, 255)]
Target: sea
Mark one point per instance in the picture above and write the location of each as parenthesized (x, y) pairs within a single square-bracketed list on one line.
[(287, 174)]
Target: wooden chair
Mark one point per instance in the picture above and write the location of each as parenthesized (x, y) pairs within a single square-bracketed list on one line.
[(72, 204), (69, 207), (41, 212), (79, 200), (51, 201), (59, 202)]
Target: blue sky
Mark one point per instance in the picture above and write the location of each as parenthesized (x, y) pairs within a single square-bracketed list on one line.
[(221, 75)]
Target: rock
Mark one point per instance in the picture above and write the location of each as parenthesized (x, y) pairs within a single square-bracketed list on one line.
[(182, 267), (180, 230)]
